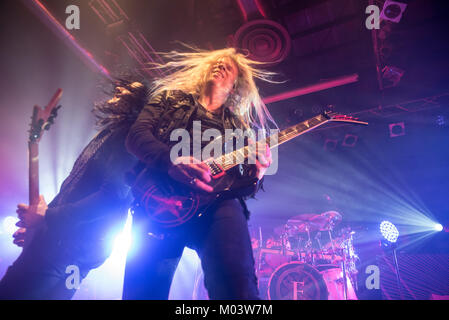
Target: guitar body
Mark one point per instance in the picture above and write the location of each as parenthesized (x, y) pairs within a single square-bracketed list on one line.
[(170, 204)]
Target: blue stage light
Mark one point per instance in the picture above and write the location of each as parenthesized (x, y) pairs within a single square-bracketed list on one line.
[(438, 227)]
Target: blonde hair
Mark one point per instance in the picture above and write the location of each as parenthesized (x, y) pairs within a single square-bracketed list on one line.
[(188, 72)]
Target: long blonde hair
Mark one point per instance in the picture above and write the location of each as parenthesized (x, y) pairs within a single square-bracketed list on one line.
[(188, 72)]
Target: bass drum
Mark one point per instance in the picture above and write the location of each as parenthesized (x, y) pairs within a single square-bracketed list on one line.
[(333, 276), (300, 281)]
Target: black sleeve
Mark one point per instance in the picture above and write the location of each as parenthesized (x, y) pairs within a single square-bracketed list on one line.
[(95, 206), (111, 198), (141, 140)]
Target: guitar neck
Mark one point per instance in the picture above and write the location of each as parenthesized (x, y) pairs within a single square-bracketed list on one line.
[(295, 131), (229, 160), (33, 172)]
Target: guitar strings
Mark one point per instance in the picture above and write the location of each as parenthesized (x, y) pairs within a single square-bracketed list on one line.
[(228, 161)]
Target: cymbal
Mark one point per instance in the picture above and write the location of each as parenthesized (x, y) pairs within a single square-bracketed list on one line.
[(308, 221), (332, 219), (302, 218)]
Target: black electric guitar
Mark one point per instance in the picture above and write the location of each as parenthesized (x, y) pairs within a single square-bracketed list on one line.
[(169, 203), (41, 120)]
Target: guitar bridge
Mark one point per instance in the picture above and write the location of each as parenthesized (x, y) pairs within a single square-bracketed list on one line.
[(215, 169)]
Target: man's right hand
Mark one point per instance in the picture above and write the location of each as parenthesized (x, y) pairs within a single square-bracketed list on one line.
[(191, 172)]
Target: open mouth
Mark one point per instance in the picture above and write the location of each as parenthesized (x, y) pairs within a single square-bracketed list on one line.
[(218, 74), (217, 71)]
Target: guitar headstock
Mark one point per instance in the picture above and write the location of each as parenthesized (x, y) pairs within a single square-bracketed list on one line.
[(42, 119), (335, 117)]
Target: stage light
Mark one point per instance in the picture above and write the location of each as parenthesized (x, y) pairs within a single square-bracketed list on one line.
[(317, 109), (393, 11), (441, 121), (389, 231), (438, 227), (123, 240), (392, 76), (9, 224), (350, 141), (397, 129), (330, 144)]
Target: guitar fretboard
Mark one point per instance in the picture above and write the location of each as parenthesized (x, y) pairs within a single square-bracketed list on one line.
[(230, 160)]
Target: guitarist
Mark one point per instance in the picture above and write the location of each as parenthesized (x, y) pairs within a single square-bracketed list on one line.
[(218, 89), (73, 229)]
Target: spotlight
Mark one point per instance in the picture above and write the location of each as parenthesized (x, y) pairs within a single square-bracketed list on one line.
[(441, 121), (330, 144), (397, 129), (391, 234), (391, 74), (438, 227), (393, 11), (389, 231), (9, 224), (350, 140), (295, 115), (317, 109)]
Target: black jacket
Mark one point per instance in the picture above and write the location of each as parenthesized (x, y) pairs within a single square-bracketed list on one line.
[(149, 136), (92, 199)]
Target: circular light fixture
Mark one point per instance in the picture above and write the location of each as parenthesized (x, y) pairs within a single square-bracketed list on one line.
[(264, 40), (438, 227), (389, 231)]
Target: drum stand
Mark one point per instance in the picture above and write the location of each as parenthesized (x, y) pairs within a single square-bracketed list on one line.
[(309, 249), (343, 264), (345, 277), (398, 278), (259, 260), (332, 243), (318, 239)]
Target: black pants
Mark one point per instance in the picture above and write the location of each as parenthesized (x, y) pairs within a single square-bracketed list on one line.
[(222, 241)]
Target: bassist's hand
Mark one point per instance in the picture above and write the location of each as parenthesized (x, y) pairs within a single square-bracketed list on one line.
[(32, 216), (191, 172), (19, 237)]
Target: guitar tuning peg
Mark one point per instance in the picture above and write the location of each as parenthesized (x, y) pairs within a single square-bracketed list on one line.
[(55, 110)]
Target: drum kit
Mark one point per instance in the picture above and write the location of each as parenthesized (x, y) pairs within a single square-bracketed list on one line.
[(308, 259)]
